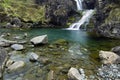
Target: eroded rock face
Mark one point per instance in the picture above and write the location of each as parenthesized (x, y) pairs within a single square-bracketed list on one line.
[(108, 57)]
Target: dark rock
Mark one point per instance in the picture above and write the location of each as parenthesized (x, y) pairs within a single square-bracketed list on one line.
[(16, 22), (89, 4), (9, 25), (116, 50), (107, 22), (58, 11)]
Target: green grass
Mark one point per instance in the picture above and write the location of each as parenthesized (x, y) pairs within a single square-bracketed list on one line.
[(24, 9)]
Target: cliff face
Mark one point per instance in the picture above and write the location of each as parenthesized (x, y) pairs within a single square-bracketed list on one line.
[(58, 11), (48, 12), (107, 18)]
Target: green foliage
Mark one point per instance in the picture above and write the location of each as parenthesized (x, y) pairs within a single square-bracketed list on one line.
[(24, 9), (114, 14)]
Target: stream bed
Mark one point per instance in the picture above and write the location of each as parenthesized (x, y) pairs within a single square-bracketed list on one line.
[(81, 52)]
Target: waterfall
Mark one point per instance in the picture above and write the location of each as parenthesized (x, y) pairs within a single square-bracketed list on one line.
[(85, 18), (79, 4)]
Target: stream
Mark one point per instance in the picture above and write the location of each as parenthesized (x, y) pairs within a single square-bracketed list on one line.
[(82, 52)]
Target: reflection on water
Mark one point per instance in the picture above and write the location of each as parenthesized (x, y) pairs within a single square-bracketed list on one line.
[(78, 36)]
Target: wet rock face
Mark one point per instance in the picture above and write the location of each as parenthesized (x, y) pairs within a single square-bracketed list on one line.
[(89, 4), (58, 11), (107, 18), (111, 30)]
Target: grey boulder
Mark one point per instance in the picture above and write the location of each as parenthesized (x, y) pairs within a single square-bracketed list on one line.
[(39, 40), (17, 47)]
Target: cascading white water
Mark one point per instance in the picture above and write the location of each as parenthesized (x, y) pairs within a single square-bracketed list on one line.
[(79, 4), (85, 18)]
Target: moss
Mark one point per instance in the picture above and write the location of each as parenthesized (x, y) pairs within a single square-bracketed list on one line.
[(24, 9), (61, 42), (114, 14)]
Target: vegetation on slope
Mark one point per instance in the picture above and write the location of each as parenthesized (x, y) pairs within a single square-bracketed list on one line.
[(24, 9)]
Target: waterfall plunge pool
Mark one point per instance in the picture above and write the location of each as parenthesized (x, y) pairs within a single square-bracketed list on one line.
[(82, 52)]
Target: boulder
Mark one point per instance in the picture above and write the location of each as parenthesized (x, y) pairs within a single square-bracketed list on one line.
[(33, 56), (17, 47), (16, 22), (39, 40), (75, 74), (108, 57), (16, 65), (116, 50)]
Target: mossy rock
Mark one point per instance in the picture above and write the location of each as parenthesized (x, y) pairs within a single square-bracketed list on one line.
[(61, 42)]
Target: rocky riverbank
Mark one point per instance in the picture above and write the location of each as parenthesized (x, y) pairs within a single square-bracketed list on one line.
[(107, 18)]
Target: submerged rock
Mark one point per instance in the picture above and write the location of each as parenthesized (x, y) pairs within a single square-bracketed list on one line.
[(39, 40), (17, 47), (108, 57), (75, 74), (16, 65), (50, 75)]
